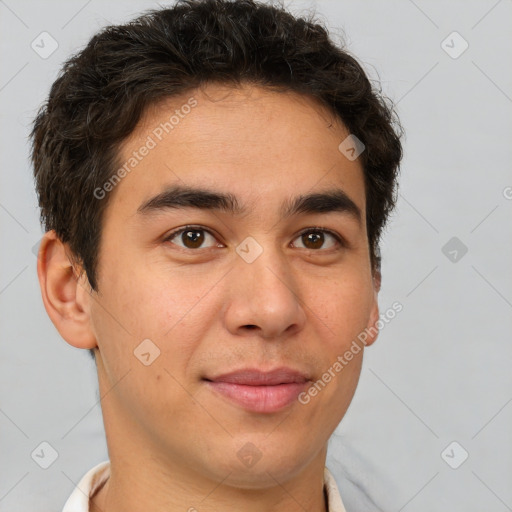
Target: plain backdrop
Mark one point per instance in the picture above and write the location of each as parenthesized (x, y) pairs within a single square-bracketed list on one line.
[(430, 426)]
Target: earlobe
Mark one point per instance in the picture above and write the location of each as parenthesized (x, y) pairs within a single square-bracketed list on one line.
[(372, 330), (65, 296), (377, 280)]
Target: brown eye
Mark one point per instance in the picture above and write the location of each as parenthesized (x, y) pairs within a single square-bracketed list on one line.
[(190, 238), (314, 239)]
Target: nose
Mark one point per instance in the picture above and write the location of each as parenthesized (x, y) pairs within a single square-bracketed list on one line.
[(263, 298)]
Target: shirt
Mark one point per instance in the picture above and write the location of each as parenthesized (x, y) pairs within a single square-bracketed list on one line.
[(92, 481)]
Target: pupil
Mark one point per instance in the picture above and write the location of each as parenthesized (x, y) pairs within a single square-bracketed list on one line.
[(196, 238), (315, 238)]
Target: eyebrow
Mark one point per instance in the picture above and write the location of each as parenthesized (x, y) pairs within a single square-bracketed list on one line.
[(181, 196)]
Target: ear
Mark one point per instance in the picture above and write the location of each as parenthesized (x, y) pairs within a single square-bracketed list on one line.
[(371, 329), (66, 297)]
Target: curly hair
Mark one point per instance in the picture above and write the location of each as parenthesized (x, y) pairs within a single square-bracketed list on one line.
[(103, 90)]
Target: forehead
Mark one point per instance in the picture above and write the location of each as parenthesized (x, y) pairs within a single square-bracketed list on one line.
[(251, 142)]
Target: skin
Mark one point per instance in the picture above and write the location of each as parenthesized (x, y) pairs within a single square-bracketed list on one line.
[(172, 441)]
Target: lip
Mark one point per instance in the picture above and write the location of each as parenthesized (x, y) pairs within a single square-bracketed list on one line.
[(259, 391)]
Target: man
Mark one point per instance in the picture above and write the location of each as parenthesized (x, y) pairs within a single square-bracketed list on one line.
[(214, 179)]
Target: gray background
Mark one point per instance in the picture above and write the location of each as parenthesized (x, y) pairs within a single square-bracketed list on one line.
[(439, 372)]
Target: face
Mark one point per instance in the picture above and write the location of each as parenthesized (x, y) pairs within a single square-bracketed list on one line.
[(254, 288)]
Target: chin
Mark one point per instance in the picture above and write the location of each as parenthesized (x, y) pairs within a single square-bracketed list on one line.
[(258, 467)]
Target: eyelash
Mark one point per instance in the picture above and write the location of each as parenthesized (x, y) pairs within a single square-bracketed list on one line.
[(314, 229)]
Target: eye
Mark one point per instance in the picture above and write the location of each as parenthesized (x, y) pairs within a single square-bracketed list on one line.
[(192, 237), (314, 238)]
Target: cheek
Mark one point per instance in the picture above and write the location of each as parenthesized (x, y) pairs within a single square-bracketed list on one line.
[(342, 313), (327, 399), (150, 304), (339, 314), (128, 314), (166, 309), (344, 309)]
